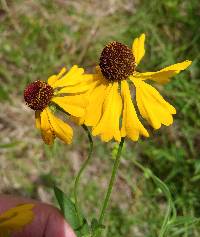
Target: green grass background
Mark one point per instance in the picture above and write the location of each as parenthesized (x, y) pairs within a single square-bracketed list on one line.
[(37, 38)]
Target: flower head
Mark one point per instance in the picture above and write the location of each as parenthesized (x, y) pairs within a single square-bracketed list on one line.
[(65, 91), (111, 111), (117, 61), (15, 219), (38, 95)]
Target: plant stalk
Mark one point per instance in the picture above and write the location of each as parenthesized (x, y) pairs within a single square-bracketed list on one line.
[(77, 179), (111, 183)]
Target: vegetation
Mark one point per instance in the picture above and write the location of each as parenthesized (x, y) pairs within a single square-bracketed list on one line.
[(37, 38)]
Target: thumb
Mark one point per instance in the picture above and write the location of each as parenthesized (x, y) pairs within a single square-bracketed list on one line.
[(47, 222)]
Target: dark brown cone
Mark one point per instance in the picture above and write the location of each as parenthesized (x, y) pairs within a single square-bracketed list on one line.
[(38, 95), (117, 61)]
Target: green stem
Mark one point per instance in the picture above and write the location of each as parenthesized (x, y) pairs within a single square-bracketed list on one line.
[(111, 183), (77, 179), (170, 206)]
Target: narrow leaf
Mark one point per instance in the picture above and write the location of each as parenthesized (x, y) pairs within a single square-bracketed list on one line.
[(67, 207)]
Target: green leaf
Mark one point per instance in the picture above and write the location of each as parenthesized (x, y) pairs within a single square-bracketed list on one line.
[(69, 211), (182, 224), (67, 207), (181, 220)]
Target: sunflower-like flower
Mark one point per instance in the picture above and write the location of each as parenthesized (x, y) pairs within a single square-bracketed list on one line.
[(65, 91), (111, 111), (15, 219)]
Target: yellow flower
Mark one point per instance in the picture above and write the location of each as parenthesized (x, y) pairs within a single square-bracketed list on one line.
[(66, 91), (111, 112), (15, 219)]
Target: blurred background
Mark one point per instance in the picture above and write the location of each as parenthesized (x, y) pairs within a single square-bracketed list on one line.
[(37, 38)]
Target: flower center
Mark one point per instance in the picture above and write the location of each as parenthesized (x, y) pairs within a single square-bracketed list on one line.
[(38, 95), (117, 61)]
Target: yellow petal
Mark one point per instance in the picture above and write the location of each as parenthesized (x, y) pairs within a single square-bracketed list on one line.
[(62, 72), (47, 132), (73, 77), (131, 126), (48, 136), (52, 79), (96, 96), (74, 89), (95, 107), (45, 124), (108, 126), (77, 120), (37, 119), (74, 105), (138, 48), (163, 76), (17, 217), (87, 81), (60, 128), (152, 105)]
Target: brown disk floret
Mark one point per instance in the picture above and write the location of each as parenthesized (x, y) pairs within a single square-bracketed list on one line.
[(117, 61), (38, 95)]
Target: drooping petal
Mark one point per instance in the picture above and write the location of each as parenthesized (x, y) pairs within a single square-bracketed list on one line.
[(16, 217), (61, 129), (45, 124), (95, 107), (74, 105), (37, 119), (52, 127), (108, 126), (52, 79), (152, 105), (48, 136), (47, 132), (163, 76), (138, 48), (131, 125), (96, 96)]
